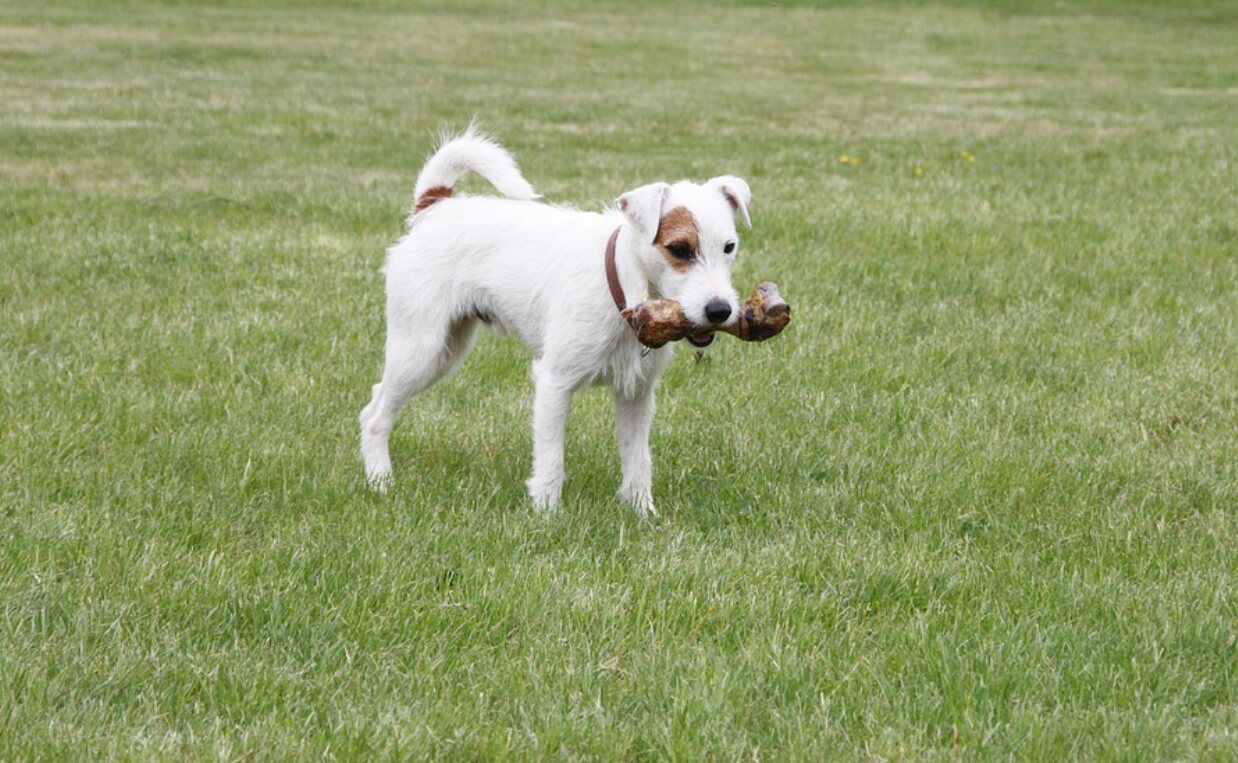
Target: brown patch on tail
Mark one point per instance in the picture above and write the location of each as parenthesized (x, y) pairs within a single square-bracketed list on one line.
[(430, 196)]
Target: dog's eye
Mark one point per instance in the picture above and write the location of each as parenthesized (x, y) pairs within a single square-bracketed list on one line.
[(730, 247), (681, 251)]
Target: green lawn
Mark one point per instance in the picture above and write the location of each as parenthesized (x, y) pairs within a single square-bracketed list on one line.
[(979, 501)]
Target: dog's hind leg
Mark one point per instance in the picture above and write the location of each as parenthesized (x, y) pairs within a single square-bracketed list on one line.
[(416, 358)]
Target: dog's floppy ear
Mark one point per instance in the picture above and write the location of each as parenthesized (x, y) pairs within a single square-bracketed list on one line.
[(643, 208), (736, 192)]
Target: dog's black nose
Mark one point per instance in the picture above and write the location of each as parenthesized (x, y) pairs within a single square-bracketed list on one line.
[(717, 311)]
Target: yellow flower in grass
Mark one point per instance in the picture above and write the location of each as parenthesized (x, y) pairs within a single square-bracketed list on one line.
[(967, 156), (854, 160)]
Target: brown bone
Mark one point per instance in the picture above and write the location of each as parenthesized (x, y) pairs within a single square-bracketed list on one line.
[(662, 320)]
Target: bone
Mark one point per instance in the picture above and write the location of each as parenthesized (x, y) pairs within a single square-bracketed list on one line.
[(659, 321)]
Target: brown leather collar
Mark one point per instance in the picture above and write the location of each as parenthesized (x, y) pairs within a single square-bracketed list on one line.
[(612, 274)]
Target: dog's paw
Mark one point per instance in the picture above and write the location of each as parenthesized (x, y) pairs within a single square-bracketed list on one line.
[(545, 497), (378, 479), (377, 462), (641, 502), (378, 475)]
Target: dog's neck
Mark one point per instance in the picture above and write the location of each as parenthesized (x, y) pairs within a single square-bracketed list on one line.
[(612, 272), (625, 278)]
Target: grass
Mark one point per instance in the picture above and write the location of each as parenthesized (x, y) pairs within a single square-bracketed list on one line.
[(979, 502)]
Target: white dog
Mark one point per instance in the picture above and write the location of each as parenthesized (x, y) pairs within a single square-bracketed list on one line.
[(557, 279)]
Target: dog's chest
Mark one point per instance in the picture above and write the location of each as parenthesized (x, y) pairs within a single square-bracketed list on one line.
[(630, 369)]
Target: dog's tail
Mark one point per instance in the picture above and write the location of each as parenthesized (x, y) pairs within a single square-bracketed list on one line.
[(471, 152)]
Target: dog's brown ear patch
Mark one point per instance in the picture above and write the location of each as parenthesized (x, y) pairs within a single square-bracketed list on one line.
[(678, 230), (431, 195)]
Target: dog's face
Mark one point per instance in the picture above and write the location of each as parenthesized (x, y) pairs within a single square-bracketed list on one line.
[(688, 243)]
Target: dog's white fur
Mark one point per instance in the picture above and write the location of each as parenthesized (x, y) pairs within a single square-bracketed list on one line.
[(536, 271)]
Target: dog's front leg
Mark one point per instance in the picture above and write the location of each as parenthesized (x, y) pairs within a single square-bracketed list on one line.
[(633, 418), (551, 400)]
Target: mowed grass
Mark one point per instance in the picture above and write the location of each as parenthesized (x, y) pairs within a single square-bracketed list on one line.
[(979, 501)]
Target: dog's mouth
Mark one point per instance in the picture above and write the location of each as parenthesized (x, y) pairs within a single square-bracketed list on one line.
[(702, 340)]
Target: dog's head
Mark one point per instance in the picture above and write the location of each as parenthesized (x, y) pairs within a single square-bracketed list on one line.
[(686, 243)]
